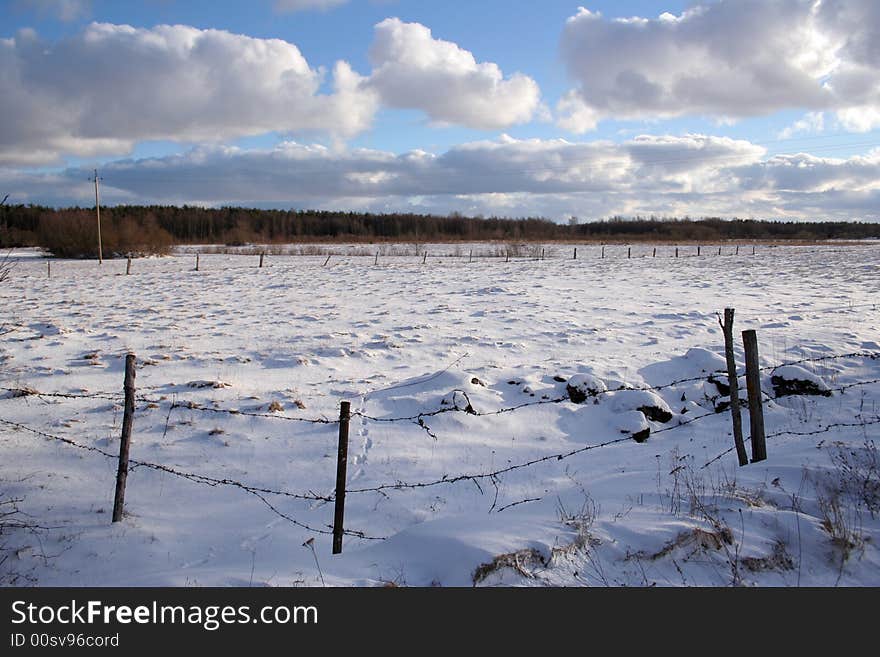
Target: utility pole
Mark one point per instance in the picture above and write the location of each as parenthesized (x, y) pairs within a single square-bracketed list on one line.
[(98, 213)]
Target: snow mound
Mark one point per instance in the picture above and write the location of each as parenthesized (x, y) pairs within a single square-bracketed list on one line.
[(646, 402), (581, 386), (795, 380)]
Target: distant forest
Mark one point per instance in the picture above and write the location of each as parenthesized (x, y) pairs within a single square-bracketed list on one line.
[(72, 232)]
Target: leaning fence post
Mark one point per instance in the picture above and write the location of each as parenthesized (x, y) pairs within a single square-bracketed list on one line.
[(756, 406), (727, 328), (341, 466), (125, 442), (425, 258)]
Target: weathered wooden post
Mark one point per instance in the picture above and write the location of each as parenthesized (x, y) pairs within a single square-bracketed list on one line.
[(471, 256), (719, 250), (727, 328), (508, 257), (425, 258), (575, 257), (197, 261), (341, 467), (698, 249), (542, 253), (603, 252), (654, 255), (756, 406), (128, 267), (261, 261), (676, 252), (629, 252), (48, 270), (125, 442), (737, 249)]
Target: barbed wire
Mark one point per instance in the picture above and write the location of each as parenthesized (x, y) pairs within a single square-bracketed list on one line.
[(825, 429), (256, 491)]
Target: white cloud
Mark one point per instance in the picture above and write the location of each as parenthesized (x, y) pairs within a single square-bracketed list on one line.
[(413, 70), (305, 5), (729, 58), (692, 175), (812, 122), (114, 85)]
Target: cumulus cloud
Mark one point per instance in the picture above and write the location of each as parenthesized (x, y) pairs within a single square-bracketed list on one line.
[(413, 70), (692, 175), (114, 85), (730, 58), (305, 5)]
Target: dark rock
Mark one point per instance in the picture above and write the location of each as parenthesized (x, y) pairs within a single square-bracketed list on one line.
[(642, 436), (722, 386), (656, 414), (783, 387)]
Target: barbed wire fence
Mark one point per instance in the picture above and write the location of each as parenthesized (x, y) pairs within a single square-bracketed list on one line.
[(465, 406)]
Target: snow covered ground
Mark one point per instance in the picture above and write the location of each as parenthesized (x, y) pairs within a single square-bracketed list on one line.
[(470, 460)]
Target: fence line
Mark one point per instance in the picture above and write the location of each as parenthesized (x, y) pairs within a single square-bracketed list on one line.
[(189, 405), (261, 492), (256, 491)]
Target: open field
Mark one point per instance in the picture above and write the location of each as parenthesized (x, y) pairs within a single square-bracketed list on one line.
[(468, 462)]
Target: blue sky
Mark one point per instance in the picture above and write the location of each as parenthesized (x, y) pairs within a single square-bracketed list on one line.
[(767, 108)]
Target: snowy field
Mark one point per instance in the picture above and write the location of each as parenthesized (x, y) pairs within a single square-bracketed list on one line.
[(495, 406)]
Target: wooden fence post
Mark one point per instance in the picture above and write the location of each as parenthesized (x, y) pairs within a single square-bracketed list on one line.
[(603, 252), (48, 270), (197, 261), (727, 328), (575, 253), (698, 249), (654, 255), (425, 258), (341, 467), (128, 267), (542, 253), (629, 252), (261, 261), (508, 257), (125, 442), (676, 252), (753, 250), (737, 250), (756, 406), (719, 250)]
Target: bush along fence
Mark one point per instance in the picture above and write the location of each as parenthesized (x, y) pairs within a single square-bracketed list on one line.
[(756, 399)]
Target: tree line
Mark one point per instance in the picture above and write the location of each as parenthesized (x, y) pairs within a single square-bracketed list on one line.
[(140, 230)]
